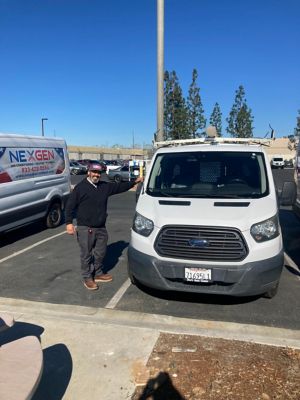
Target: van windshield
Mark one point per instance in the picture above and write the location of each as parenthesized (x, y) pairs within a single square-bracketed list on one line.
[(209, 175)]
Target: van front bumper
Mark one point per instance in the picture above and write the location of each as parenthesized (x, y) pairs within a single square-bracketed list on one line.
[(249, 279)]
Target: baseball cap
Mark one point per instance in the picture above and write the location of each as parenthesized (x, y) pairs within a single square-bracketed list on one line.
[(95, 167)]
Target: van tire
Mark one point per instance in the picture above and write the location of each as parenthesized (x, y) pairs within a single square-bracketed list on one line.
[(271, 292), (54, 215)]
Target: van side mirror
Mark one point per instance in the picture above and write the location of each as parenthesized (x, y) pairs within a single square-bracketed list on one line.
[(288, 194)]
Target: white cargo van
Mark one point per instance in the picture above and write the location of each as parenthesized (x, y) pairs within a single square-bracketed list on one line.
[(34, 180), (277, 161), (207, 221)]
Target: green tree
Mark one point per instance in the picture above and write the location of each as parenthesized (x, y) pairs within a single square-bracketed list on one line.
[(168, 88), (175, 111), (196, 118), (216, 119), (240, 118), (297, 128)]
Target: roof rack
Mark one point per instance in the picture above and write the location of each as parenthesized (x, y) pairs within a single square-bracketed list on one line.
[(213, 141)]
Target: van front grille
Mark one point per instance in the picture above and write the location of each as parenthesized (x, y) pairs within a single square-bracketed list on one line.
[(201, 243)]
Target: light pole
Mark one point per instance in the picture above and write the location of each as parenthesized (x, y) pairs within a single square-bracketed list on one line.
[(43, 119), (160, 71)]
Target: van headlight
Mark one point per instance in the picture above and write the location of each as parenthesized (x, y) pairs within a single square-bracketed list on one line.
[(265, 230), (142, 225)]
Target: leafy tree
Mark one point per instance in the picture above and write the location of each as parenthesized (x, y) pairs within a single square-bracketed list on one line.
[(180, 115), (216, 119), (196, 119), (297, 128), (175, 112), (168, 88), (240, 118)]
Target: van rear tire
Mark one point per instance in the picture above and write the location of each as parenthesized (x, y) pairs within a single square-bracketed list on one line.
[(54, 215)]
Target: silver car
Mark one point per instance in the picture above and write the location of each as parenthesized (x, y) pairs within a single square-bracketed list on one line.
[(77, 169), (123, 173)]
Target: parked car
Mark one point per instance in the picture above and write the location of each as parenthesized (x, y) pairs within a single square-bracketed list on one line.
[(77, 169), (277, 161), (123, 174), (112, 164), (289, 163)]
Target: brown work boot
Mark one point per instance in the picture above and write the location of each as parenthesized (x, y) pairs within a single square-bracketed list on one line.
[(103, 278), (90, 284)]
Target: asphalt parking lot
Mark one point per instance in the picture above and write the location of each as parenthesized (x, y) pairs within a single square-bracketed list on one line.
[(43, 265)]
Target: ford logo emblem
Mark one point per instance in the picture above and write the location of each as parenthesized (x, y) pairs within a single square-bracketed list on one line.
[(201, 243)]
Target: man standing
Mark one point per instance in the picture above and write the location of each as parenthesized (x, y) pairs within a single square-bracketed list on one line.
[(88, 203)]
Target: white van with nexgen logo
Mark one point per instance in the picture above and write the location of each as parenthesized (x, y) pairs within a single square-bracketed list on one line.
[(34, 180), (207, 222)]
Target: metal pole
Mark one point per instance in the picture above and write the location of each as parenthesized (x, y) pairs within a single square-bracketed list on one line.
[(160, 71), (43, 119)]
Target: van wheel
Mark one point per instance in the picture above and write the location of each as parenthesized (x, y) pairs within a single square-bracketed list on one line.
[(272, 292), (54, 215)]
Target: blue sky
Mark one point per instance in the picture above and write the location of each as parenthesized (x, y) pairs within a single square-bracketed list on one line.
[(89, 66)]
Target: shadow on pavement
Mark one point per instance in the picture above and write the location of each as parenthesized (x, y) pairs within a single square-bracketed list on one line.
[(57, 362), (56, 375), (290, 225), (21, 233), (20, 330), (114, 252), (292, 270), (160, 388)]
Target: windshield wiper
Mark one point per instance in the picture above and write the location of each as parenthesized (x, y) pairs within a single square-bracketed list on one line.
[(157, 193)]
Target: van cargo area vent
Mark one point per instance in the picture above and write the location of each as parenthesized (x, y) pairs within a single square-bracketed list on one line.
[(201, 243)]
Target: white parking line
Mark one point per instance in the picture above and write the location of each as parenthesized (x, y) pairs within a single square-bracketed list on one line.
[(31, 247), (117, 297)]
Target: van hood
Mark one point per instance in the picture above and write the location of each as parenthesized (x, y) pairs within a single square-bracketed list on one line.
[(241, 213)]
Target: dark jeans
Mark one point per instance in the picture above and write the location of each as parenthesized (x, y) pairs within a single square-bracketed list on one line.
[(93, 244)]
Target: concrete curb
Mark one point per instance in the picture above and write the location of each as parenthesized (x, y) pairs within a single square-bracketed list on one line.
[(162, 323)]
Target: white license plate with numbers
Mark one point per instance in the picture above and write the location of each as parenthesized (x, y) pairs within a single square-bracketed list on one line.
[(197, 274)]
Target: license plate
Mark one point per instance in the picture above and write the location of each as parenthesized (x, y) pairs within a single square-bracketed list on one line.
[(197, 274)]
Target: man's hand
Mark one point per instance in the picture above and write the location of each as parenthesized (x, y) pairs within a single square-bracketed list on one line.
[(139, 179), (70, 229)]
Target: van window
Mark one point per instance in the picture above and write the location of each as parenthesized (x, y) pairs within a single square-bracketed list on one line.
[(209, 174)]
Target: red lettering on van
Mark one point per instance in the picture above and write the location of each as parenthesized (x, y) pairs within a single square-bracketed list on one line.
[(44, 155)]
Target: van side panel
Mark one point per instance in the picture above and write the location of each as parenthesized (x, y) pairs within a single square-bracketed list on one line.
[(34, 172)]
